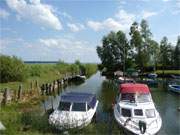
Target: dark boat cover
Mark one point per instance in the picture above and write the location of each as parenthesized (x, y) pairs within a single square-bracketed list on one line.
[(77, 97)]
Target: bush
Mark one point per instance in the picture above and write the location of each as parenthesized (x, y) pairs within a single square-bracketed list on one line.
[(11, 69), (34, 70)]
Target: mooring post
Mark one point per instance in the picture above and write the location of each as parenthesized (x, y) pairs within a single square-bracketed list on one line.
[(52, 106), (31, 87), (46, 88), (53, 87), (5, 95), (42, 89), (50, 88), (44, 106), (20, 91)]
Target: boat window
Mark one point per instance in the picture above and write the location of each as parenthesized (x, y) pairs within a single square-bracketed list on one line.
[(128, 97), (138, 112), (64, 106), (126, 112), (118, 108), (79, 107), (92, 103), (141, 98), (150, 113)]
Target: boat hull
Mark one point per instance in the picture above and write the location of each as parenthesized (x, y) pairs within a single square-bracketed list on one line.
[(129, 130), (72, 120), (174, 88)]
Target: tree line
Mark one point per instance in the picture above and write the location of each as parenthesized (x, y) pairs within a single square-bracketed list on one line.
[(140, 51)]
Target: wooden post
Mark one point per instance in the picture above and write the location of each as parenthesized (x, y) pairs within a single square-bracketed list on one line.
[(50, 88), (53, 87), (5, 96), (36, 84), (20, 91), (31, 85), (46, 88), (52, 106), (44, 106), (42, 89)]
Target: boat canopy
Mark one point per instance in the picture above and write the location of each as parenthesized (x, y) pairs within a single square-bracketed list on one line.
[(134, 88), (77, 97)]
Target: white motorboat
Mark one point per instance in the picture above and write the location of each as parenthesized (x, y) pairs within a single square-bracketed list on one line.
[(135, 110), (121, 80), (174, 88), (75, 110)]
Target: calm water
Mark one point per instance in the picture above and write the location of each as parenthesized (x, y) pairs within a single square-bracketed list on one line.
[(104, 123)]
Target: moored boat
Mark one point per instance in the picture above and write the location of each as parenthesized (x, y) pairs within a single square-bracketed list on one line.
[(135, 110), (75, 110), (174, 88), (121, 80), (152, 75)]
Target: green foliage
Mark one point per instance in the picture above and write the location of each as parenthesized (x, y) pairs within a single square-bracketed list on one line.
[(34, 70), (114, 50), (76, 68), (90, 69), (11, 69), (141, 41), (166, 52), (177, 54)]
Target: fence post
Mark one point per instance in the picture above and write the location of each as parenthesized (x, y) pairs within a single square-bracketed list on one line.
[(20, 91), (46, 88), (31, 85), (5, 96)]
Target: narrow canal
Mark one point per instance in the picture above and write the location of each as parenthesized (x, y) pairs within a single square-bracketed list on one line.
[(104, 123)]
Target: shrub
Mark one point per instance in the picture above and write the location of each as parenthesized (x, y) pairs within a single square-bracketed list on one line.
[(34, 70), (11, 69)]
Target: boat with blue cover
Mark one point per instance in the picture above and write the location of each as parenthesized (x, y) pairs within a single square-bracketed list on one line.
[(75, 110), (174, 88)]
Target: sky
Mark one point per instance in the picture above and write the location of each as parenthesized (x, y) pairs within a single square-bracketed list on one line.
[(51, 30)]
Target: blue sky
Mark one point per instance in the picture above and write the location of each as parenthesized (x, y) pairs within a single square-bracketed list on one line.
[(47, 30)]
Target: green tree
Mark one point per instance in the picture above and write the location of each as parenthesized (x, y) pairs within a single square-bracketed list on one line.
[(177, 54), (153, 52), (12, 69), (165, 52), (136, 42), (113, 50), (146, 41)]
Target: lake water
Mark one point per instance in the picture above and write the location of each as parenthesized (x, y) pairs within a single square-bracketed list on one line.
[(106, 90)]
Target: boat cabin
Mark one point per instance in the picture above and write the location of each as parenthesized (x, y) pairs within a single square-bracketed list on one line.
[(134, 93), (77, 102)]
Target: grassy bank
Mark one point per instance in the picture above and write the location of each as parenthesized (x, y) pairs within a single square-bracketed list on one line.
[(46, 73), (168, 72)]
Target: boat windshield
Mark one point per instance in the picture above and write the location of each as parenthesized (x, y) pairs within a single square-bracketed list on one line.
[(129, 97), (79, 107), (64, 106), (141, 98), (150, 113)]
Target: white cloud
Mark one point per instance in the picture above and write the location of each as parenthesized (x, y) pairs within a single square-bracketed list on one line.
[(166, 0), (121, 21), (37, 12), (75, 27), (95, 25), (4, 13), (147, 14), (125, 17), (70, 49), (66, 15)]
